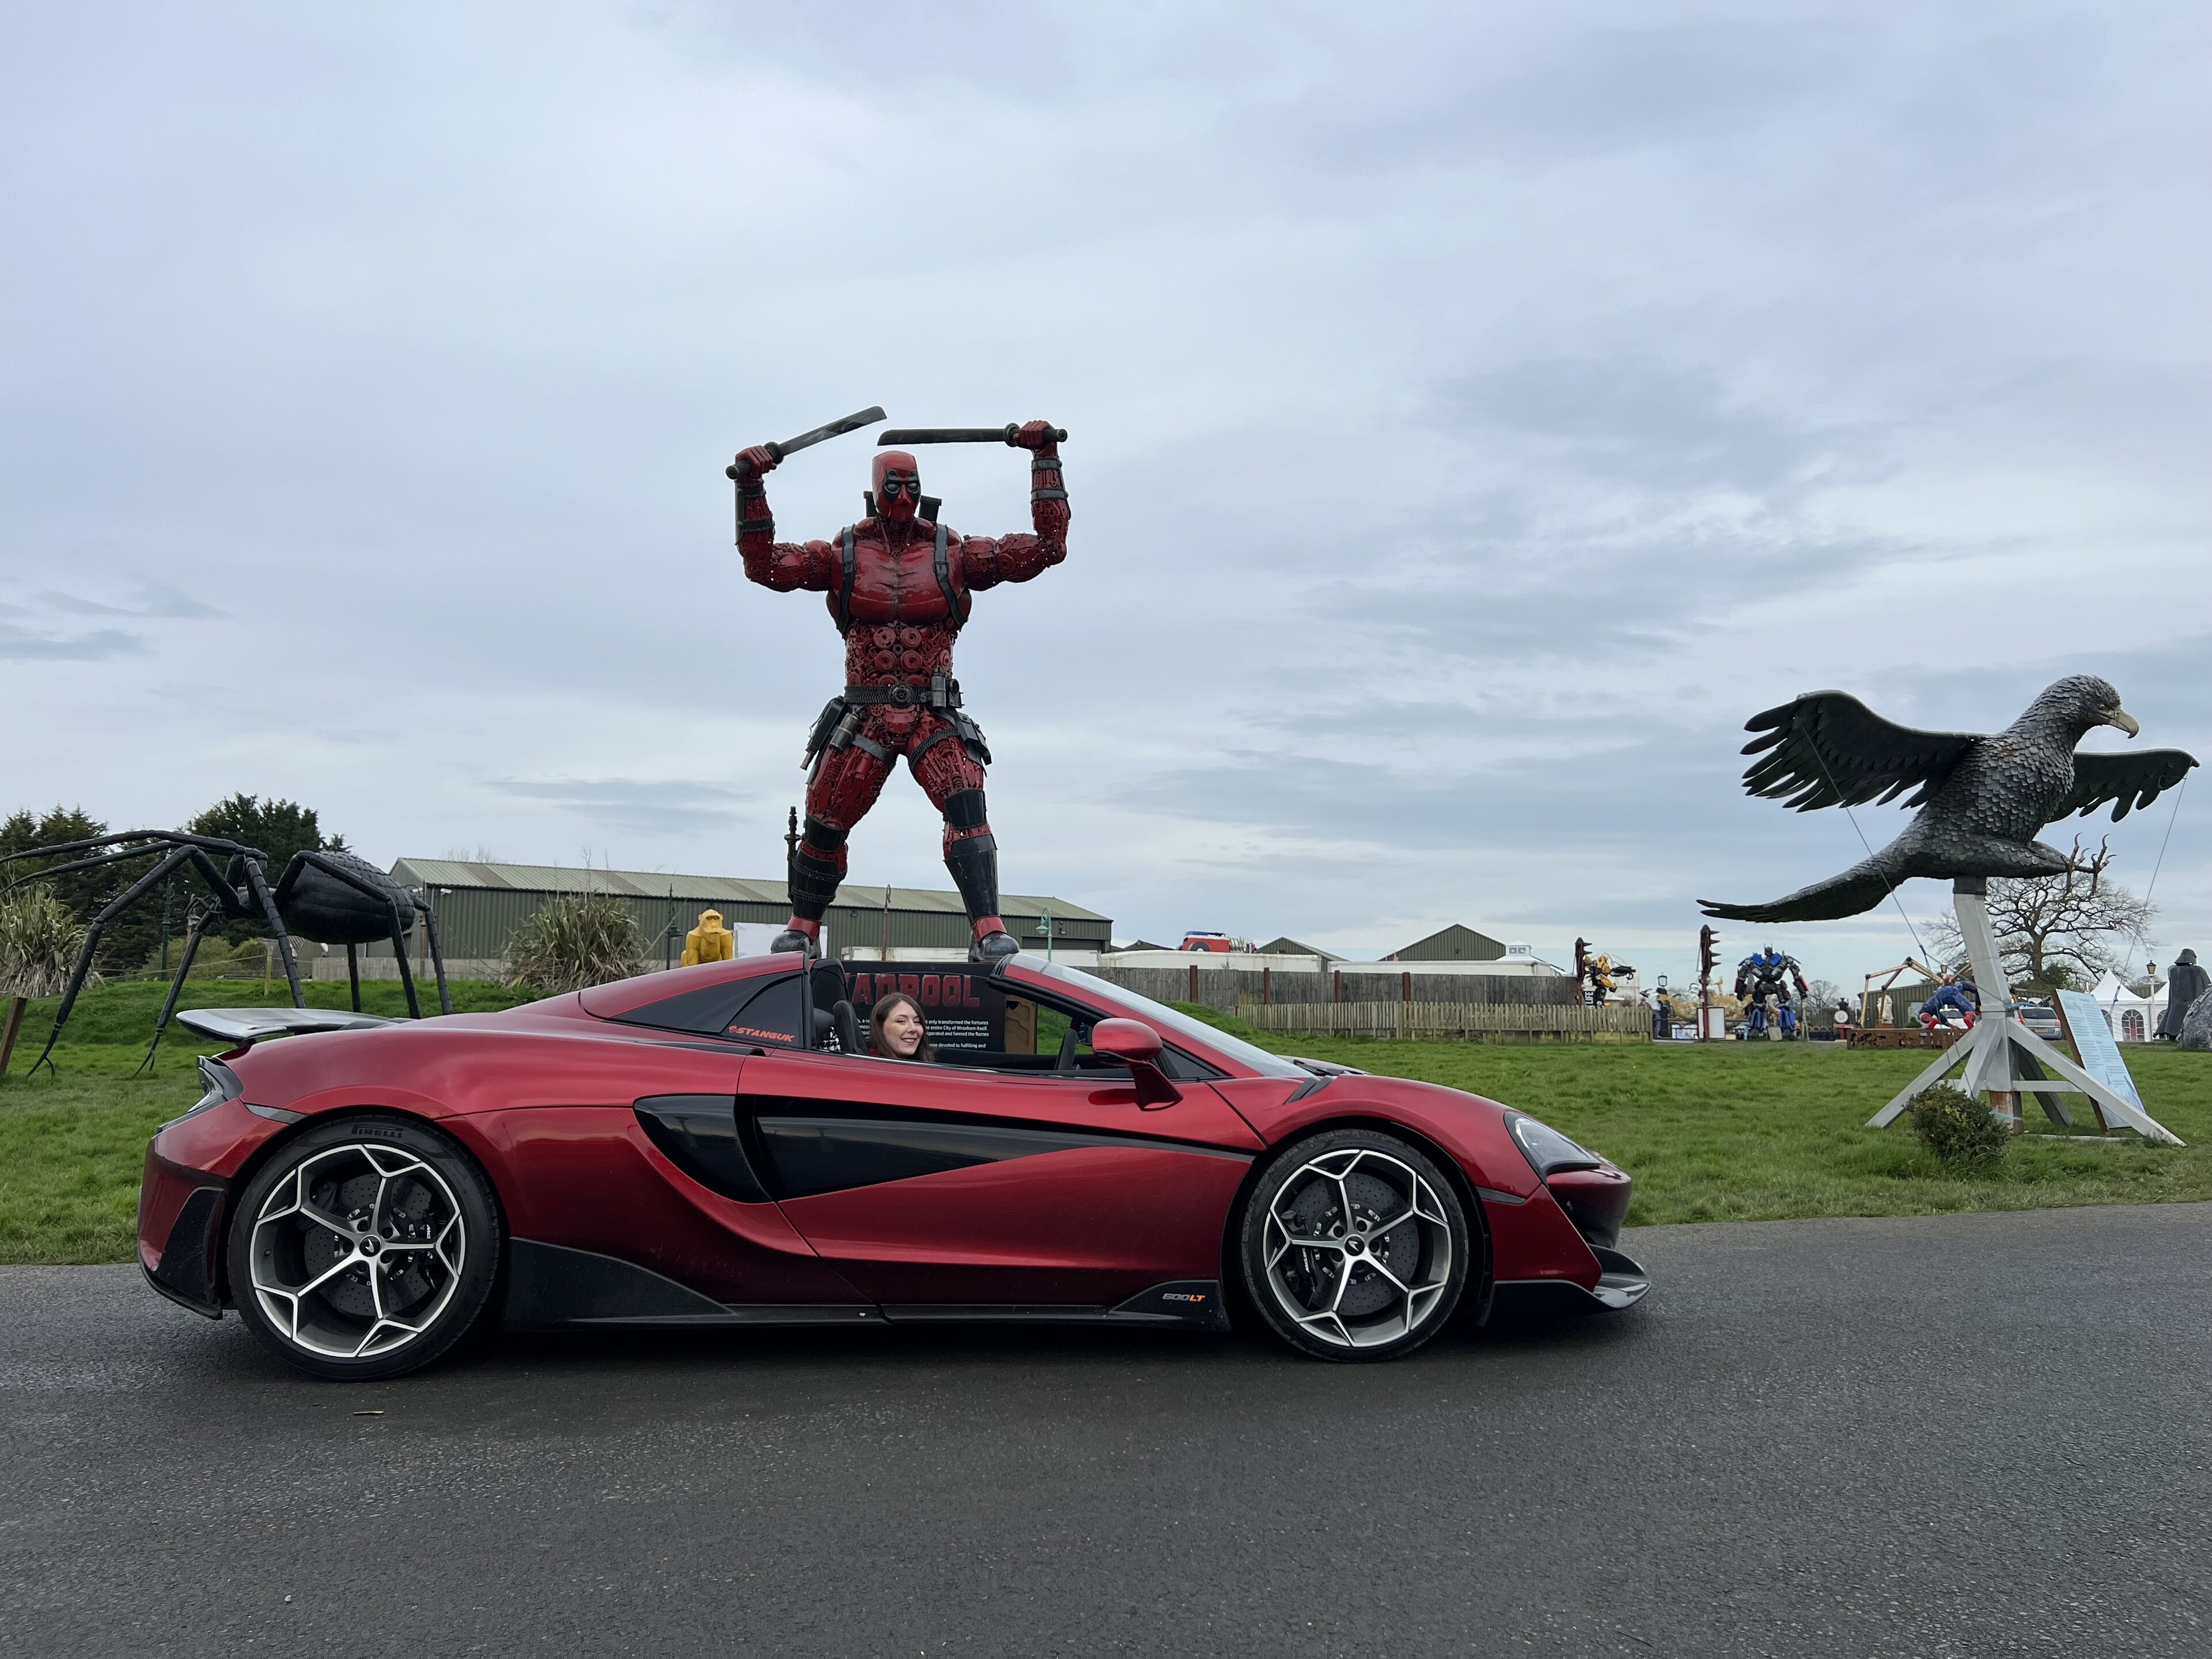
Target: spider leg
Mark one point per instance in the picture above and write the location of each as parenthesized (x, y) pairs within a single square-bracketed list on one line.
[(98, 861), (399, 951), (260, 891), (353, 973), (437, 955), (115, 907), (192, 934), (155, 840)]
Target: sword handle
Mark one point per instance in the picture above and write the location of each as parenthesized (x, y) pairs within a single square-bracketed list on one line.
[(1059, 433), (775, 449)]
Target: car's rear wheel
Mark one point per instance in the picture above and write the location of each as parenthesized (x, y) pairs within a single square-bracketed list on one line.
[(1354, 1246), (365, 1248)]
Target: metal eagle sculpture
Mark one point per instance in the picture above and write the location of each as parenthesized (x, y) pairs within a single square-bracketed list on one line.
[(1983, 797)]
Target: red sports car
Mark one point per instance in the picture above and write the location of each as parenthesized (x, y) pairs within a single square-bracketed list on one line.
[(712, 1147)]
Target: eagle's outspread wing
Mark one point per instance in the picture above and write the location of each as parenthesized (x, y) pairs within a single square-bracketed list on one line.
[(1827, 746), (2128, 781)]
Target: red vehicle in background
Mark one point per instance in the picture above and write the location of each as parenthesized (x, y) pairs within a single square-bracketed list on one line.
[(713, 1146), (1204, 941)]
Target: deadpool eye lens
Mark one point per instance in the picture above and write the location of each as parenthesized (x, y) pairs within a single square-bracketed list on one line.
[(893, 484)]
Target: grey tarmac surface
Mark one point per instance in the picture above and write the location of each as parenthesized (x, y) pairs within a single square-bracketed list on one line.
[(1970, 1435)]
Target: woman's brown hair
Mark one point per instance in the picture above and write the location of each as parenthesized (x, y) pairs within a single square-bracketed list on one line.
[(881, 1012)]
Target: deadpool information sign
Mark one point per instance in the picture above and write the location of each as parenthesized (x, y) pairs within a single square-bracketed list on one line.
[(962, 1008)]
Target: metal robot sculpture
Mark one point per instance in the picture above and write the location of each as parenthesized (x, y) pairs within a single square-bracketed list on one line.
[(1769, 974), (327, 895), (1601, 977), (899, 585)]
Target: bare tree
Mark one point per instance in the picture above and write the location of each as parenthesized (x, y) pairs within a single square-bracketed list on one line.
[(2055, 932)]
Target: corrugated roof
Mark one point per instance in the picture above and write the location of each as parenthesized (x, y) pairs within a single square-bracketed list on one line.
[(1457, 943), (657, 884)]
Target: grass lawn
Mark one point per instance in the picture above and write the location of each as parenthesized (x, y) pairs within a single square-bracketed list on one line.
[(1762, 1131), (1711, 1132), (72, 1145)]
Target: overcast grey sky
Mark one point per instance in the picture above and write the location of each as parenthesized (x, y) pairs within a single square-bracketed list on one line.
[(1477, 412)]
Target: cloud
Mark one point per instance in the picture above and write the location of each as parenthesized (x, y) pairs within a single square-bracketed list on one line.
[(1475, 421), (155, 599), (643, 806), (1634, 421), (23, 645)]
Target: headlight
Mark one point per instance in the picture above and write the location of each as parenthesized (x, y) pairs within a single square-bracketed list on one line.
[(1546, 1149)]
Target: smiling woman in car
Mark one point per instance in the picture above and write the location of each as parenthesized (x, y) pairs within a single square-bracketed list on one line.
[(897, 1029)]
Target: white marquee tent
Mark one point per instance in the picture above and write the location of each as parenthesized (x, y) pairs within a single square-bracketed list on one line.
[(2133, 1019)]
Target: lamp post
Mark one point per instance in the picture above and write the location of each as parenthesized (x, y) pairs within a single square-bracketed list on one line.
[(1044, 926), (1663, 1013)]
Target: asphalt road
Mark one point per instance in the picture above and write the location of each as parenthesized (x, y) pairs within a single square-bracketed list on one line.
[(1973, 1435)]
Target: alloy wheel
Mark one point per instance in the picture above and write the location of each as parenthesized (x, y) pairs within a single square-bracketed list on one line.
[(358, 1251), (1356, 1248)]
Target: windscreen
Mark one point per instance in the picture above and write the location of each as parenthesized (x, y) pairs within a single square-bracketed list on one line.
[(1171, 1019)]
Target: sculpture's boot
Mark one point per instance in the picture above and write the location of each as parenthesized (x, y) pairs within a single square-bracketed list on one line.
[(818, 866), (973, 859)]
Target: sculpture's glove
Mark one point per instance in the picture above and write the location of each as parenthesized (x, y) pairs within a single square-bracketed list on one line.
[(1034, 434), (751, 462)]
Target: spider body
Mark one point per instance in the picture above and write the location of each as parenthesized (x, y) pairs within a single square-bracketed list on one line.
[(328, 896)]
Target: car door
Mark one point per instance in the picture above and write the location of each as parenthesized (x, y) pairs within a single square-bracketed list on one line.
[(949, 1186)]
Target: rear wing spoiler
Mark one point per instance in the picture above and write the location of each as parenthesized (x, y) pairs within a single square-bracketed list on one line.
[(247, 1026)]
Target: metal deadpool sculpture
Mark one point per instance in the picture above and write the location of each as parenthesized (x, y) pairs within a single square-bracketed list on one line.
[(899, 586)]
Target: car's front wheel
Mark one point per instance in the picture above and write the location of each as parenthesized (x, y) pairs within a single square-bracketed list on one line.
[(1354, 1246), (366, 1247)]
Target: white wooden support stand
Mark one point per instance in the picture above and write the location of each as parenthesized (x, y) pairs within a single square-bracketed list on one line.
[(2003, 1058)]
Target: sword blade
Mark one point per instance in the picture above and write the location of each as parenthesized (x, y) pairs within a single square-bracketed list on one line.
[(943, 435), (957, 434), (836, 429)]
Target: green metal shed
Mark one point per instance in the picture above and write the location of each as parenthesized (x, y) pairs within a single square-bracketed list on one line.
[(480, 905)]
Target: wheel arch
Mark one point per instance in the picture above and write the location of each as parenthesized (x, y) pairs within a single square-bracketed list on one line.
[(1477, 1306), (259, 1158)]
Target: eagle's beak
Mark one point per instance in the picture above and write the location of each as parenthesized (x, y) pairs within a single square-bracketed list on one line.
[(2125, 721)]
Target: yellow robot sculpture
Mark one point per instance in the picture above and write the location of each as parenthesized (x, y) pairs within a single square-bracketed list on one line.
[(709, 941)]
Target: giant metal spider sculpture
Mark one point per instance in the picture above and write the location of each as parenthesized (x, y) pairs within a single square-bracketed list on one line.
[(333, 898)]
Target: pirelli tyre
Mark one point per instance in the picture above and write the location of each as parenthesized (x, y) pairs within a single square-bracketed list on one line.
[(365, 1248), (1353, 1245)]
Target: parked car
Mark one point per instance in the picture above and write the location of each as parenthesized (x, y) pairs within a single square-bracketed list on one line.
[(2040, 1018), (713, 1147), (1217, 942)]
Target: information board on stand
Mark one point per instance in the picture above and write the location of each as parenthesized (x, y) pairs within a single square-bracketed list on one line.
[(2092, 1041)]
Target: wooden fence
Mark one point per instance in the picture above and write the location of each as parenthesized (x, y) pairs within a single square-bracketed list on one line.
[(1472, 1021), (1228, 988)]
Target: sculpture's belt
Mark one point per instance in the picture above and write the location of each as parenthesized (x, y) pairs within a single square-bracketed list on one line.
[(907, 696)]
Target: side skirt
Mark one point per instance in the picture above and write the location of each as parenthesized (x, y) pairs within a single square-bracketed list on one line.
[(551, 1287), (1190, 1303)]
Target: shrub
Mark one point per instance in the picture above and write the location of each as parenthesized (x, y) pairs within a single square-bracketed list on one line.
[(1959, 1129), (39, 939), (578, 940)]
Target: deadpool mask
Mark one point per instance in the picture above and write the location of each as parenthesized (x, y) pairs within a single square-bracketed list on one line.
[(898, 485)]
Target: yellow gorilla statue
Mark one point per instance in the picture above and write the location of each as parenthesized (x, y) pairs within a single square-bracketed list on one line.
[(709, 941)]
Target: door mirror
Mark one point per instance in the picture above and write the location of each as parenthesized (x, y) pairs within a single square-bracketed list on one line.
[(1137, 1046)]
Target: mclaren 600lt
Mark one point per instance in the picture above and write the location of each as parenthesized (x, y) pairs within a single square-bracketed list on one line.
[(713, 1146)]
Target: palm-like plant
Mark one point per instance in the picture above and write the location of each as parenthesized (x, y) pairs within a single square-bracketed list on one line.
[(39, 940), (579, 939)]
